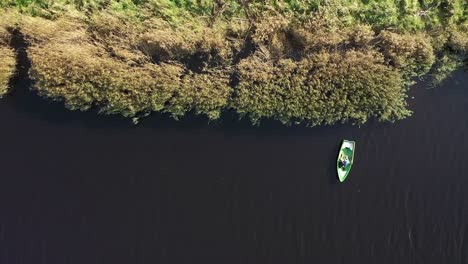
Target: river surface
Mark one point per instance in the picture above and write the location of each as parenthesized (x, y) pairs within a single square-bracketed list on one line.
[(77, 188)]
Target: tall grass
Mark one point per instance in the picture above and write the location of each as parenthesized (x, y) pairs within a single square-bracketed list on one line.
[(297, 61), (7, 56)]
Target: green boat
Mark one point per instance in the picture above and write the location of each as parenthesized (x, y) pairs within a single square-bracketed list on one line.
[(345, 159)]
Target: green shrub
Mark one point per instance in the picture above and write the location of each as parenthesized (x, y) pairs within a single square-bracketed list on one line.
[(380, 14), (453, 55), (205, 93), (85, 76), (68, 65), (458, 40), (446, 64), (412, 53), (322, 89)]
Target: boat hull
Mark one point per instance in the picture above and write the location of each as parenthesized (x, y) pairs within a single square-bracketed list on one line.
[(347, 150)]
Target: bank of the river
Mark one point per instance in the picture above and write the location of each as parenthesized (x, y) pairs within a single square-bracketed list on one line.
[(308, 62)]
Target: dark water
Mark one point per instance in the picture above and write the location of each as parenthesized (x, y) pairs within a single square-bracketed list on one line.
[(81, 188)]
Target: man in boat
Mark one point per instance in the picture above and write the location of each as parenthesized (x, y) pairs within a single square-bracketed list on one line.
[(344, 161)]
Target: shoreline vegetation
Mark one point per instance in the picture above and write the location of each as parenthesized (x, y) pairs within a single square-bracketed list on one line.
[(310, 62), (7, 58)]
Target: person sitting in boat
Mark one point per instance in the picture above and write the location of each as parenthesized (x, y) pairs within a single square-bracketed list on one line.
[(344, 162)]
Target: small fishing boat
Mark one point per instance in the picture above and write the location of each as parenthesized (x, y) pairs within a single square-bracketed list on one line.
[(345, 159)]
